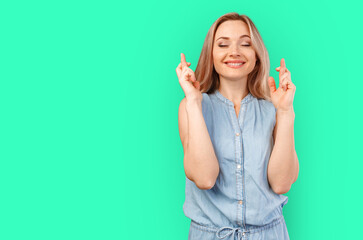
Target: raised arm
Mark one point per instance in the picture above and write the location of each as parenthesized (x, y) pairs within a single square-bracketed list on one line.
[(200, 162)]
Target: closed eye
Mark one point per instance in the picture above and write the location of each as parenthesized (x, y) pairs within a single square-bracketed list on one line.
[(227, 45)]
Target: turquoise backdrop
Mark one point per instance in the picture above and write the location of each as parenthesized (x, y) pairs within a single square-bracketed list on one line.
[(89, 98)]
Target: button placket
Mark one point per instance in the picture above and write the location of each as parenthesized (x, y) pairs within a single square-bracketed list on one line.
[(238, 165), (237, 122)]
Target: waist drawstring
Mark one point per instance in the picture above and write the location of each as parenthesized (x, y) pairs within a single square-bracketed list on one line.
[(230, 231)]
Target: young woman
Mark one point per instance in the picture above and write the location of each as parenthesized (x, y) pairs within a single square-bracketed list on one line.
[(237, 132)]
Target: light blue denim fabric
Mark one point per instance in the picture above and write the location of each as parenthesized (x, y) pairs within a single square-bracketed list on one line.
[(241, 204)]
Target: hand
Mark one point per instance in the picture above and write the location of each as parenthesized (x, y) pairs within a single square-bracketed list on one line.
[(187, 80), (283, 97)]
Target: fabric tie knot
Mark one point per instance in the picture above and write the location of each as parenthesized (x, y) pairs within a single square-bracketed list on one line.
[(230, 231)]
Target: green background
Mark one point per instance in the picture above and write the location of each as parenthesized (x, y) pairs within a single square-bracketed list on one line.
[(90, 146)]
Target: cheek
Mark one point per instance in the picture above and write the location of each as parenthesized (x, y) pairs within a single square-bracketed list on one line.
[(217, 55), (251, 55), (252, 58), (217, 60)]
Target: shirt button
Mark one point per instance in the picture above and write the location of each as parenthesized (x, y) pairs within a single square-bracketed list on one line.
[(238, 166), (240, 202), (237, 134)]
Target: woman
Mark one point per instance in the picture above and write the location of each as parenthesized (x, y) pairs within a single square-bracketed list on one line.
[(237, 132)]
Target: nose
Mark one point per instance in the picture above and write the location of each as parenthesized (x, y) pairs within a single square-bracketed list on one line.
[(235, 52)]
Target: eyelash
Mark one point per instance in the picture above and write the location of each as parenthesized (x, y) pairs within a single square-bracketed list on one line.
[(226, 45)]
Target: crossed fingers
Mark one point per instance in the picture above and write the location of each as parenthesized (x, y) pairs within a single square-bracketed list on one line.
[(285, 77), (183, 66)]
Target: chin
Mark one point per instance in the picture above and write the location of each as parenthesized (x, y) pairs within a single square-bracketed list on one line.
[(235, 76)]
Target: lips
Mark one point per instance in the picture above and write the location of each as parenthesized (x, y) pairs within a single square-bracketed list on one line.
[(234, 61)]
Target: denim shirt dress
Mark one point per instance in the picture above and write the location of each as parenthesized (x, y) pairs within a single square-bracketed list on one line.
[(241, 204)]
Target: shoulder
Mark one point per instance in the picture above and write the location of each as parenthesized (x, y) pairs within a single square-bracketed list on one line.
[(206, 99), (206, 103), (268, 110), (267, 105)]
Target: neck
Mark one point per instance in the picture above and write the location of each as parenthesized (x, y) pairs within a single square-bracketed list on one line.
[(234, 90)]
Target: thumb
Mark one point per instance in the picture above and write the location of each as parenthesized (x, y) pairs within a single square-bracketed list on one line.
[(271, 84), (196, 85)]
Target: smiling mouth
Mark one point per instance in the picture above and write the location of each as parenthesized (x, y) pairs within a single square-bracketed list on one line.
[(235, 65)]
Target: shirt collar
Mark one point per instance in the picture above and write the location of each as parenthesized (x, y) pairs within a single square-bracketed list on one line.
[(246, 99)]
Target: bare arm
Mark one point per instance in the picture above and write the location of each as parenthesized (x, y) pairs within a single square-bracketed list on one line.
[(283, 167), (200, 162)]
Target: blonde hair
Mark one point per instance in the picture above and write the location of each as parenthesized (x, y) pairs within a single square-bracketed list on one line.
[(257, 80)]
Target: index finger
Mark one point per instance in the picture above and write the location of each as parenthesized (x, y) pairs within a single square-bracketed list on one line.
[(182, 60), (283, 63)]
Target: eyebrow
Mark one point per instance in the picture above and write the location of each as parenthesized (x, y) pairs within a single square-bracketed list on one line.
[(242, 36)]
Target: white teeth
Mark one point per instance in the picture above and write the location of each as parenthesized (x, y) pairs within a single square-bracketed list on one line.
[(234, 64)]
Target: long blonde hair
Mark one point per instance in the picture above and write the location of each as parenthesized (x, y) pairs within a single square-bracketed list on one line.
[(257, 80)]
